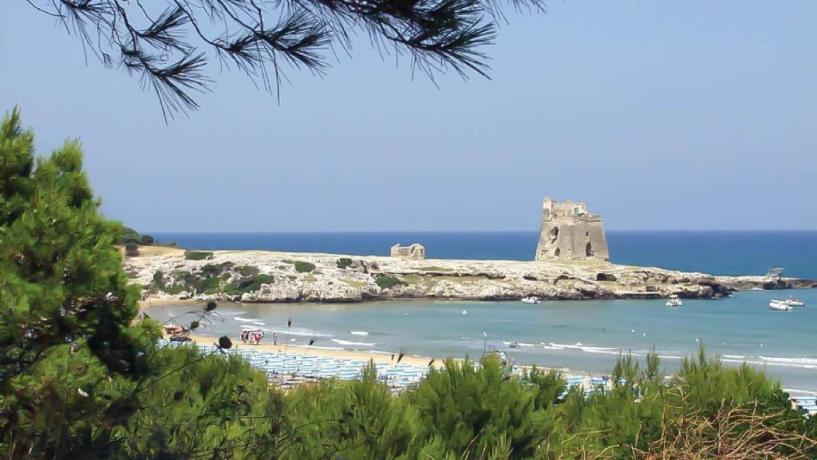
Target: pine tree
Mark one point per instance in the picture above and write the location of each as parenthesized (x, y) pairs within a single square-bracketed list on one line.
[(66, 344)]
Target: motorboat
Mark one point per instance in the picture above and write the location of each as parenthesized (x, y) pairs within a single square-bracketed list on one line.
[(530, 299), (794, 302), (779, 305), (674, 301)]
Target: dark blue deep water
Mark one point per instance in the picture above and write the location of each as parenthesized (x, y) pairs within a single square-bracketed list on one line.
[(716, 252)]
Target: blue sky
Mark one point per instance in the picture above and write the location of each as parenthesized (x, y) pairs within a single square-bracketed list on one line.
[(661, 115)]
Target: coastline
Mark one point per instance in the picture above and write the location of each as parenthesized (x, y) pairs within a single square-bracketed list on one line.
[(253, 276), (327, 352)]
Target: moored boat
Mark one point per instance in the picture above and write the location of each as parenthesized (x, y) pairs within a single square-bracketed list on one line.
[(674, 301), (779, 305), (794, 302), (530, 299)]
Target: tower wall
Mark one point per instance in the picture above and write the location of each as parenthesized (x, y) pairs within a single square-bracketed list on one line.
[(570, 232)]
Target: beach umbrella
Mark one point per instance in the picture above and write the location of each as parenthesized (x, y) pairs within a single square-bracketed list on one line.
[(400, 356)]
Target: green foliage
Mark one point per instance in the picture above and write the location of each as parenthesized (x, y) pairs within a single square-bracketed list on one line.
[(65, 307), (197, 255), (129, 235), (248, 270), (248, 284), (344, 262), (479, 410), (303, 267), (211, 406), (146, 240), (388, 281)]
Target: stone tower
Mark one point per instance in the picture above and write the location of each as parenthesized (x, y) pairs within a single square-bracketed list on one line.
[(570, 232)]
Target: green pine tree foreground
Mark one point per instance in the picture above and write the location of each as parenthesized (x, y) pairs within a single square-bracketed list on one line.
[(82, 377)]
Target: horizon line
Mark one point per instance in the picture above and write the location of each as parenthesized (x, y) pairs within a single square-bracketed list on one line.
[(237, 232)]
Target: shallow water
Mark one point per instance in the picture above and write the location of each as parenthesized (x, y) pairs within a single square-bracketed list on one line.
[(579, 335)]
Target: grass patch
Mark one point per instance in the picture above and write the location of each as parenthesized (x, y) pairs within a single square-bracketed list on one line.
[(197, 255), (303, 267), (388, 281)]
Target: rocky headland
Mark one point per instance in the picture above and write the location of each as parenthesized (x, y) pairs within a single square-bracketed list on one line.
[(264, 276)]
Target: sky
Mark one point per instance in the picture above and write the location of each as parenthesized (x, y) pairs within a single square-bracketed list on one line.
[(660, 115)]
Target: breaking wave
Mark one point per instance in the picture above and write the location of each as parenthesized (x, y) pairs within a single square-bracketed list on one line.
[(351, 343)]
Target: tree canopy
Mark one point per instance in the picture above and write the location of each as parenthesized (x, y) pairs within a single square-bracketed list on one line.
[(169, 42)]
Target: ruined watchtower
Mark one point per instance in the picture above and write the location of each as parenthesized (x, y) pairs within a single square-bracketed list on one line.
[(569, 231)]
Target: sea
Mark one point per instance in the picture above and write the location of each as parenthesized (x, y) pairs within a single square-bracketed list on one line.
[(581, 336)]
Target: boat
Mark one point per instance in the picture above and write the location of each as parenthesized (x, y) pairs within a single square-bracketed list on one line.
[(794, 302), (530, 299), (779, 305), (674, 301)]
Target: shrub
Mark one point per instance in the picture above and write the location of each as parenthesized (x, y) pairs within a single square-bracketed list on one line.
[(388, 281), (248, 270), (249, 284), (197, 255), (128, 235), (159, 279), (303, 267), (146, 240), (207, 285), (131, 249), (344, 262)]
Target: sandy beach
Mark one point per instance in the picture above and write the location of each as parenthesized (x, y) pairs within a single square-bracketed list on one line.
[(377, 357)]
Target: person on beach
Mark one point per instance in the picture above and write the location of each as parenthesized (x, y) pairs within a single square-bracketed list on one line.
[(275, 338)]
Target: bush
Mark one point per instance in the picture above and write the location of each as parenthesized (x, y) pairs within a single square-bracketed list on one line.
[(249, 284), (131, 249), (388, 281), (303, 267), (146, 240), (197, 255), (248, 270), (344, 262), (159, 279)]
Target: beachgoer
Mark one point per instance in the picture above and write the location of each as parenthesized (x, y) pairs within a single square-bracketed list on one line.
[(275, 338)]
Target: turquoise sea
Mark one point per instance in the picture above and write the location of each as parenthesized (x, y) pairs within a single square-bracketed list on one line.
[(579, 335)]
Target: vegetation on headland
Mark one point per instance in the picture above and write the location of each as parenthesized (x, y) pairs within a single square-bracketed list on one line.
[(388, 281), (198, 255), (82, 377)]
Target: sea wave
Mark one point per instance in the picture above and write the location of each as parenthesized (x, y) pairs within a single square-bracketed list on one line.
[(246, 320), (351, 343), (359, 332), (298, 331), (581, 347)]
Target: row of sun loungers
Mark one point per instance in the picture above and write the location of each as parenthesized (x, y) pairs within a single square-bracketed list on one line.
[(809, 403), (293, 368)]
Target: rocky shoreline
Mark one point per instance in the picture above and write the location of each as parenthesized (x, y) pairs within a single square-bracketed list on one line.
[(264, 276)]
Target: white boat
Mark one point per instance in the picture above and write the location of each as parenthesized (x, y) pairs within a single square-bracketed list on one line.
[(779, 305), (674, 301), (793, 302), (530, 299)]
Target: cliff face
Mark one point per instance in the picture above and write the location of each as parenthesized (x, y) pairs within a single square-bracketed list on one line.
[(261, 276)]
